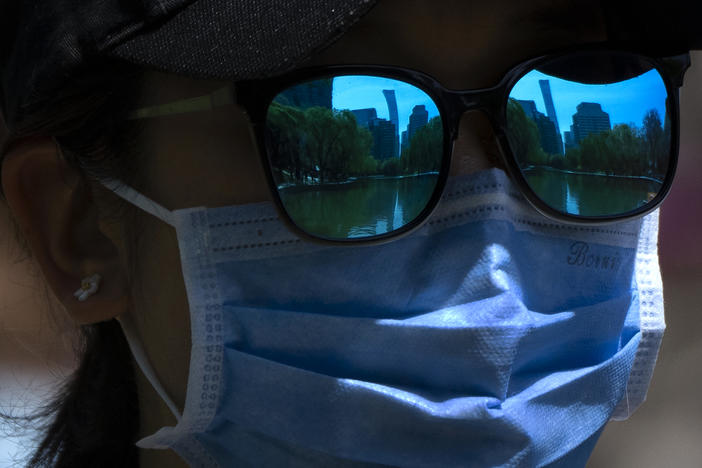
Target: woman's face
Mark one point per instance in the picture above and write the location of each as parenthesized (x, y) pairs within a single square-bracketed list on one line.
[(210, 159), (462, 44)]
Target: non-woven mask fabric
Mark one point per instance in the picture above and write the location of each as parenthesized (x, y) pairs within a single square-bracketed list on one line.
[(490, 336)]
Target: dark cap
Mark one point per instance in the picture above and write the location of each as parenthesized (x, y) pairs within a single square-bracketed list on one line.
[(43, 42)]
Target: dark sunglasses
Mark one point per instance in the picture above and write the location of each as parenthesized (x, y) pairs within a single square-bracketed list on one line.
[(361, 153)]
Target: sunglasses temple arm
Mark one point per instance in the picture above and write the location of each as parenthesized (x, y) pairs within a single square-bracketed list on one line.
[(221, 97)]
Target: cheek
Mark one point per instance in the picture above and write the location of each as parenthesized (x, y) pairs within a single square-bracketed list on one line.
[(208, 159), (231, 173), (234, 167)]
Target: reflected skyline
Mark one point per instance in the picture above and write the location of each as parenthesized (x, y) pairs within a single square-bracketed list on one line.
[(355, 92), (639, 95), (327, 161)]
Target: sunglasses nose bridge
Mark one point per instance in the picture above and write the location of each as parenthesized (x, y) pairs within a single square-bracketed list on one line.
[(460, 102)]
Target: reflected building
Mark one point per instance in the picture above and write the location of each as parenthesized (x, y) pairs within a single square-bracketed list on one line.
[(404, 141), (570, 139), (551, 110), (364, 116), (417, 120), (589, 118), (383, 131), (317, 93), (392, 110), (549, 138), (384, 138), (529, 108)]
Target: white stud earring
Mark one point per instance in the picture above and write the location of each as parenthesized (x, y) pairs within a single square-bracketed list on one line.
[(88, 287)]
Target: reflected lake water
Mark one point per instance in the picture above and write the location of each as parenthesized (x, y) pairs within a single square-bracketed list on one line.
[(377, 205), (591, 194), (359, 208)]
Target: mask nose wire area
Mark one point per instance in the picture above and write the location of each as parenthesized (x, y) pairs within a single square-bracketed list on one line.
[(475, 147)]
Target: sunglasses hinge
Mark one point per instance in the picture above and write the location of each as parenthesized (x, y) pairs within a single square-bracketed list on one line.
[(676, 67)]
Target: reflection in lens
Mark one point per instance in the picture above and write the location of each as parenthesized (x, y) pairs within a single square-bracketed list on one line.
[(354, 156), (597, 143)]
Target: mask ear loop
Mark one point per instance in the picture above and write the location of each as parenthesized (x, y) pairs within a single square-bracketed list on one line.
[(126, 321), (141, 201), (139, 354)]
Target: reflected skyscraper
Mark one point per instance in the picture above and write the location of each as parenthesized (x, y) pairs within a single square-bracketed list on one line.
[(392, 110), (364, 116), (551, 110), (549, 138), (384, 140), (590, 118), (529, 108), (417, 120)]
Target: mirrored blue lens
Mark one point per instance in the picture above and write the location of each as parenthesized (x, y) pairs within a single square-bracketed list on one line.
[(591, 133), (354, 156)]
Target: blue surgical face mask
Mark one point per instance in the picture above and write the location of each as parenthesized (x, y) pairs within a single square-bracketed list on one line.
[(490, 336)]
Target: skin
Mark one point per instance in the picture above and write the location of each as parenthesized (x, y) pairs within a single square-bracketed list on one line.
[(209, 159)]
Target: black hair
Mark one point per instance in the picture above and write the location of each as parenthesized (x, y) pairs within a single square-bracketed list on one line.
[(92, 418)]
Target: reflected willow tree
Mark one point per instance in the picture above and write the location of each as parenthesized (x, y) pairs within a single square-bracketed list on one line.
[(284, 143), (425, 150), (331, 184), (317, 145)]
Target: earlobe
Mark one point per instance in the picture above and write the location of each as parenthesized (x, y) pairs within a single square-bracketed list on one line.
[(54, 207)]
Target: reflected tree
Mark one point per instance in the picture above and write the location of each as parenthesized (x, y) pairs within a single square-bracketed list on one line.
[(657, 144), (425, 150), (523, 137), (624, 150), (284, 142), (317, 145)]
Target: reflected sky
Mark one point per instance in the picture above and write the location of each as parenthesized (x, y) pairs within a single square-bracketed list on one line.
[(625, 102), (361, 92)]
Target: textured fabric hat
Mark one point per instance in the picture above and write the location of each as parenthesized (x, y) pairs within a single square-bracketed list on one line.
[(43, 43)]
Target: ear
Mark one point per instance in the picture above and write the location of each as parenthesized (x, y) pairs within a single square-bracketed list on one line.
[(54, 207)]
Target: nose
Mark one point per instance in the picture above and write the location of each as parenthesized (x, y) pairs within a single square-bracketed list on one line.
[(475, 147)]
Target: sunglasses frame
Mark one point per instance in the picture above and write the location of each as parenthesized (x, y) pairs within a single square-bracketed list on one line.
[(255, 97)]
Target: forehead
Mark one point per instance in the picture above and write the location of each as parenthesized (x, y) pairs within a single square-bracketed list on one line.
[(464, 44)]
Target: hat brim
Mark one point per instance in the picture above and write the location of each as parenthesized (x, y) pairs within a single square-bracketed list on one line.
[(208, 39)]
